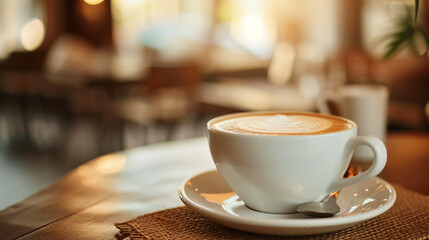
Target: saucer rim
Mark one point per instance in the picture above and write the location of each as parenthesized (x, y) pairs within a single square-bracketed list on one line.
[(219, 215)]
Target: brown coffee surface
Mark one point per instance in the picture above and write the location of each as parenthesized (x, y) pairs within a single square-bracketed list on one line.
[(282, 124)]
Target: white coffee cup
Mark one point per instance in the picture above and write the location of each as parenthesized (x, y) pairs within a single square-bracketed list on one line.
[(277, 173), (366, 105)]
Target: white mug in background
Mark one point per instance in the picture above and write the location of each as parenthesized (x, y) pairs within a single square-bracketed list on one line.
[(366, 105), (275, 173)]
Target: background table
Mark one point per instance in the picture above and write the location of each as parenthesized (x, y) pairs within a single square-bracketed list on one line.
[(117, 187)]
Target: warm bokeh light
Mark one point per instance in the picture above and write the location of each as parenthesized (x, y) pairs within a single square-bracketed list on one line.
[(254, 27), (108, 164), (87, 176), (32, 34), (93, 2), (111, 163)]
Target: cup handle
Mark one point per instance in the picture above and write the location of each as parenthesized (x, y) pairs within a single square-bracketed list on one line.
[(380, 157), (322, 102)]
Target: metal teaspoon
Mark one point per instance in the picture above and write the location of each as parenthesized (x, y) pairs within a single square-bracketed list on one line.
[(328, 207)]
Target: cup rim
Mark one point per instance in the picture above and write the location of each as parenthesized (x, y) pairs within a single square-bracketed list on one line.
[(211, 121), (369, 89)]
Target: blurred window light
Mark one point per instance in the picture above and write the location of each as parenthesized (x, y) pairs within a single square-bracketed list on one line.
[(175, 29), (254, 27), (21, 27), (251, 25), (164, 10), (7, 28), (32, 34), (93, 2)]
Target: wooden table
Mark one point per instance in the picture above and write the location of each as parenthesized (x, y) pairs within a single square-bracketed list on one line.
[(117, 187)]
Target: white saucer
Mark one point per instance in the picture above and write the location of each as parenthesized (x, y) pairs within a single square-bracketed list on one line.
[(208, 194)]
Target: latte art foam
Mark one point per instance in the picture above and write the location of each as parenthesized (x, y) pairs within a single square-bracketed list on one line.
[(283, 124)]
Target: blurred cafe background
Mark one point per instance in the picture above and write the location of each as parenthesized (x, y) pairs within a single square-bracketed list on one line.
[(81, 78)]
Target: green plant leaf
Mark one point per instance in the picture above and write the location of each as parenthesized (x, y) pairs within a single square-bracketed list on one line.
[(406, 34), (392, 48)]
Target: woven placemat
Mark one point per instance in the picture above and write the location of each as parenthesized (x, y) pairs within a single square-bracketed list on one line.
[(407, 219)]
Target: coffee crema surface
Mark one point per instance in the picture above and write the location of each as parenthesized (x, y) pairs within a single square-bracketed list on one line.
[(282, 124)]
